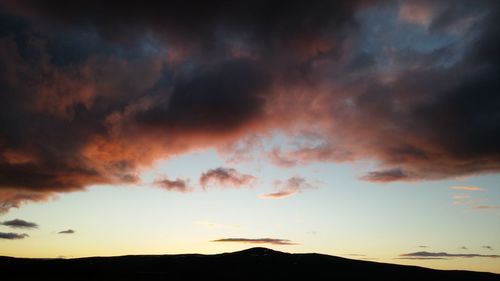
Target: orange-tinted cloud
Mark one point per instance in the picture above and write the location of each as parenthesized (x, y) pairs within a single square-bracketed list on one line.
[(417, 12), (15, 198), (466, 188), (91, 98)]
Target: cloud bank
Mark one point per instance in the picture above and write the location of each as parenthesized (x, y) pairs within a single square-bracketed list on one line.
[(91, 92)]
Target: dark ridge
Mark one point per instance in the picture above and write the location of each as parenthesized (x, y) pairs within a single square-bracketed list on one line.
[(257, 251), (250, 264)]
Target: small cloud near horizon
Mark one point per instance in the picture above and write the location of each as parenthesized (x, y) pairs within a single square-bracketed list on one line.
[(18, 223), (67, 231), (272, 241), (13, 236), (420, 255), (487, 247)]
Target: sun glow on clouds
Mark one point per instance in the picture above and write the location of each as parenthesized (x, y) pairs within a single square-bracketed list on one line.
[(245, 106)]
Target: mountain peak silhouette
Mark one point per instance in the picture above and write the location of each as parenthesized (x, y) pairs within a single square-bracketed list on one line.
[(258, 251)]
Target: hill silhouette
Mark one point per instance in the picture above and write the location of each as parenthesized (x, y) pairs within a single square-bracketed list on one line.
[(250, 264)]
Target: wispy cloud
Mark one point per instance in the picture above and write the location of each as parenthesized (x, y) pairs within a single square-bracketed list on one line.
[(13, 236), (179, 185), (466, 188), (487, 247), (67, 231), (487, 207), (445, 255), (471, 202), (226, 177), (288, 188), (460, 196), (272, 241), (17, 223), (423, 246), (463, 248)]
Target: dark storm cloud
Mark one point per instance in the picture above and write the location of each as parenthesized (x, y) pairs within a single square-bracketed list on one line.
[(17, 223), (13, 236), (91, 91), (68, 231), (273, 241), (445, 255)]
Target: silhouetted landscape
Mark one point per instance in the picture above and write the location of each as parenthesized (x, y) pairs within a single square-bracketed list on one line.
[(251, 264)]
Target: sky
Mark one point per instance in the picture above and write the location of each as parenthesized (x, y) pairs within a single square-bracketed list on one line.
[(363, 129)]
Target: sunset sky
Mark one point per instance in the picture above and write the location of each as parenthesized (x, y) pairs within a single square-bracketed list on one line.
[(362, 129)]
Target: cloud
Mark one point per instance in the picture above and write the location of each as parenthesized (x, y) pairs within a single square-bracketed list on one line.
[(226, 177), (272, 241), (460, 197), (487, 247), (445, 255), (395, 174), (11, 198), (466, 188), (415, 12), (13, 236), (17, 223), (487, 207), (179, 185), (464, 248), (68, 231), (288, 188), (98, 96), (423, 246)]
